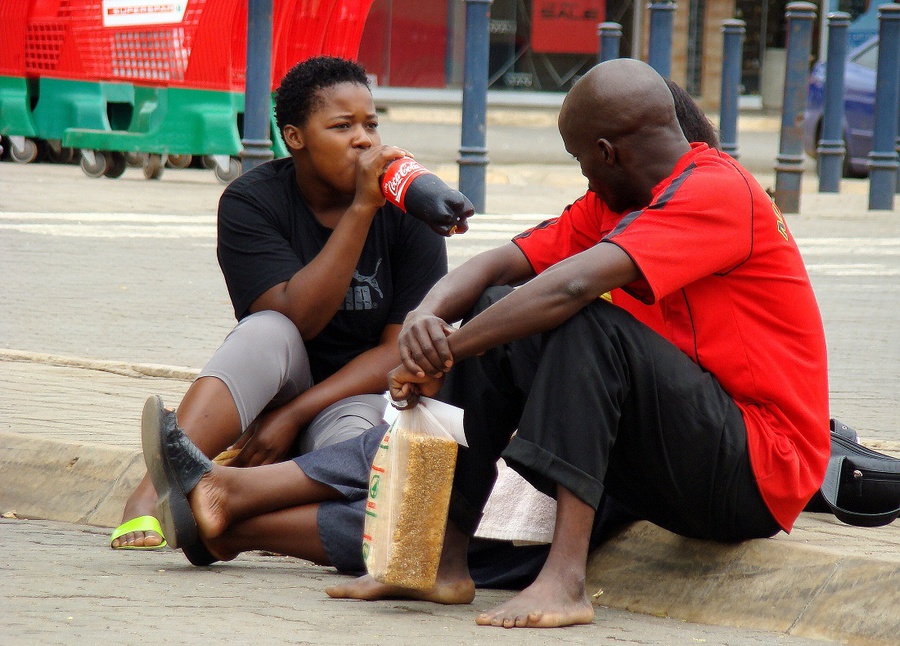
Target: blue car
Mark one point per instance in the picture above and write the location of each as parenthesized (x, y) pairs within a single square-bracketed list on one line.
[(859, 108)]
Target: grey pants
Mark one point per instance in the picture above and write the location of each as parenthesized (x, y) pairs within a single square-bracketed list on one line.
[(264, 364)]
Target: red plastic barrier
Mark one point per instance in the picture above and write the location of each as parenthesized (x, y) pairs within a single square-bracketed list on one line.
[(201, 46), (344, 29), (13, 23)]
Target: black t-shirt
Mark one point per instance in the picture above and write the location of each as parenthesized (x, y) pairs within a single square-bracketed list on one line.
[(267, 234)]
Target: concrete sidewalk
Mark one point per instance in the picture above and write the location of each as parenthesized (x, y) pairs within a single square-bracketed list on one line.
[(111, 293)]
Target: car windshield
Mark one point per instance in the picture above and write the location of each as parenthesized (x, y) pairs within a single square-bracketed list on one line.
[(866, 55)]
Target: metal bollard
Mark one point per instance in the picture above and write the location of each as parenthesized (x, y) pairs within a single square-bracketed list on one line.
[(256, 145), (662, 15), (610, 36), (831, 149), (732, 43), (789, 166), (883, 162), (473, 158)]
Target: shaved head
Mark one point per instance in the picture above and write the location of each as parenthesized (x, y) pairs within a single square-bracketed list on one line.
[(617, 98), (619, 122)]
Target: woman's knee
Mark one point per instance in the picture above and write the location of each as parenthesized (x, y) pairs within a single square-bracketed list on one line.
[(273, 327)]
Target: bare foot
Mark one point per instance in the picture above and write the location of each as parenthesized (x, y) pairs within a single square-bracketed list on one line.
[(207, 504), (547, 603), (141, 503), (446, 590)]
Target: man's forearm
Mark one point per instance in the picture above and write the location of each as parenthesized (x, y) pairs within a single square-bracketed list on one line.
[(456, 293)]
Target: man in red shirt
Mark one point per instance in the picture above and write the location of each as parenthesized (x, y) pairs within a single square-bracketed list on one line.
[(699, 401)]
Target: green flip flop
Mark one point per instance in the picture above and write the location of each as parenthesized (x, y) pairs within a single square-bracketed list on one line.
[(139, 524)]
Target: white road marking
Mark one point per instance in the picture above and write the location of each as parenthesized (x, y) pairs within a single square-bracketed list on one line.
[(487, 231)]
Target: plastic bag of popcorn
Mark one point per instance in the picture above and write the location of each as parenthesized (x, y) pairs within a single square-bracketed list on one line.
[(409, 495)]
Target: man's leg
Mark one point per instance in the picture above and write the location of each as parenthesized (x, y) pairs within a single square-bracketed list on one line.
[(229, 393), (558, 596), (616, 407), (270, 507)]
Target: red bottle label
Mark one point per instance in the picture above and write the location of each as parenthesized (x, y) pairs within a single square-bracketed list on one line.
[(397, 179)]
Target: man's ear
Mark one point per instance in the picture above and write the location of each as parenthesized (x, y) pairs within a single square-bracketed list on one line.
[(607, 150), (293, 138)]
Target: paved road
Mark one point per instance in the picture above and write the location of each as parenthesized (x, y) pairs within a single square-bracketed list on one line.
[(58, 587)]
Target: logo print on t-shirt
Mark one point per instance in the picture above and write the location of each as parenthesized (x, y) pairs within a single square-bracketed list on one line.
[(782, 225), (359, 297)]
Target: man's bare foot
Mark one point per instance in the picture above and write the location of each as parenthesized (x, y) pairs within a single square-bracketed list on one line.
[(448, 591), (545, 603)]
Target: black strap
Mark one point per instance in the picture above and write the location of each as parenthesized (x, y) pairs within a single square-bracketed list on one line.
[(841, 468)]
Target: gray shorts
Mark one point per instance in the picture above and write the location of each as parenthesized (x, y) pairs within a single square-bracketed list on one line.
[(264, 363)]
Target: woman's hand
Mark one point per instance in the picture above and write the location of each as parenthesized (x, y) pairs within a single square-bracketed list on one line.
[(423, 344), (267, 440), (370, 167)]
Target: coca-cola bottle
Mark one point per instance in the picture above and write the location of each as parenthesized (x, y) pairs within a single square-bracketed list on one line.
[(424, 195)]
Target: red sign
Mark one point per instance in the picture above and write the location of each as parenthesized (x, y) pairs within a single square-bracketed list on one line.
[(566, 26)]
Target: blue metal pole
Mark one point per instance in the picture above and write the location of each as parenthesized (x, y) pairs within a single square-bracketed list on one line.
[(257, 147), (789, 166), (473, 158), (883, 162), (610, 35), (831, 148), (732, 43), (662, 16)]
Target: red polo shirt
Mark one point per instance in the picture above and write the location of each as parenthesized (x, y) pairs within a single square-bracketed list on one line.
[(723, 280)]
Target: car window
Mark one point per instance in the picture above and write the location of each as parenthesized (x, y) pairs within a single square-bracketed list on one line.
[(868, 57)]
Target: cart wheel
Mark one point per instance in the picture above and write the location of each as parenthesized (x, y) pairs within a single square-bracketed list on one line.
[(153, 166), (134, 160), (24, 151), (178, 161), (116, 164), (208, 161), (59, 154), (93, 163), (226, 175)]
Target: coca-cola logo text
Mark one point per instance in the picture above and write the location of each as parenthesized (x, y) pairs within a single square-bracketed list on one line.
[(398, 177)]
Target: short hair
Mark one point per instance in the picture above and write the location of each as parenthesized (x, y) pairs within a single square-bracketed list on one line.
[(694, 123), (298, 95)]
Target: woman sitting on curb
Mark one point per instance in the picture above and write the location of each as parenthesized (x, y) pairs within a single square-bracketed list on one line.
[(321, 273)]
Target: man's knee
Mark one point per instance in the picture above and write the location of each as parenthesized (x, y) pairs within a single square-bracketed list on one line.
[(488, 297)]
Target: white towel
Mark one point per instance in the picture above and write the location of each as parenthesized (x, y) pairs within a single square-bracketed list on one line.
[(516, 511)]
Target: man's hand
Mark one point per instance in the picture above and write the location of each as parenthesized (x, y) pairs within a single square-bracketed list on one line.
[(267, 440), (408, 387), (423, 345)]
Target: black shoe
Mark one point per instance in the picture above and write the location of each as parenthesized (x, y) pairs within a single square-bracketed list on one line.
[(175, 466)]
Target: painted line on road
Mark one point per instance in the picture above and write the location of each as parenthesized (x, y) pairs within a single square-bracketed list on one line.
[(123, 231), (133, 218)]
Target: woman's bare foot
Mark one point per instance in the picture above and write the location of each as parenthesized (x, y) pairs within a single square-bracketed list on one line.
[(547, 603), (141, 503), (456, 590)]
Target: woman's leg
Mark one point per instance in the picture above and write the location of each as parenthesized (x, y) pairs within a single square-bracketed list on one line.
[(229, 393)]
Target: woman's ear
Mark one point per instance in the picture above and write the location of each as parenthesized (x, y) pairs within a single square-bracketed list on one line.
[(293, 137)]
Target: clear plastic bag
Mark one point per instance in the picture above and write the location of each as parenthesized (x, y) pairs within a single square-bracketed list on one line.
[(409, 495)]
